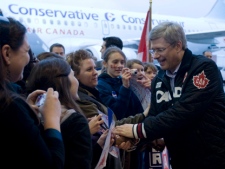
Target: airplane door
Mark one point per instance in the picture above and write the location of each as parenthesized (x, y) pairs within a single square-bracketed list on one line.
[(105, 27)]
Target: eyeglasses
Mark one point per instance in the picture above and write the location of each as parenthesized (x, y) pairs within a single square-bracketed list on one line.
[(158, 50)]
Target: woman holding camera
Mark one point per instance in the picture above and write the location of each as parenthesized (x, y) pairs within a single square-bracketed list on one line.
[(54, 71), (25, 142), (114, 85)]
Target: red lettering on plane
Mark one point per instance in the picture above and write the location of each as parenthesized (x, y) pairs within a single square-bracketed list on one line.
[(55, 31)]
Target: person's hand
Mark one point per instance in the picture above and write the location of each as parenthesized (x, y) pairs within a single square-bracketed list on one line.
[(158, 144), (94, 123), (102, 138), (124, 143), (51, 110), (145, 82), (126, 75), (124, 130), (31, 99)]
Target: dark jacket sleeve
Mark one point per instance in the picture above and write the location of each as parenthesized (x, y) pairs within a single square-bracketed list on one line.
[(138, 118), (119, 104), (25, 143), (77, 140)]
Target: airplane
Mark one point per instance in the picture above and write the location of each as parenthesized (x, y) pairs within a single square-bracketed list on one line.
[(83, 28)]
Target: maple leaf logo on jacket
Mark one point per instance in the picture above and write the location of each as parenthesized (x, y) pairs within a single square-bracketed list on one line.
[(200, 81)]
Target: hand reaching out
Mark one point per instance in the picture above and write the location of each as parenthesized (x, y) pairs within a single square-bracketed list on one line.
[(95, 123), (145, 82), (101, 140)]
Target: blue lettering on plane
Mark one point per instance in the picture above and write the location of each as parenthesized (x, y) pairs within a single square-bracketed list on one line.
[(109, 16), (128, 19), (15, 9)]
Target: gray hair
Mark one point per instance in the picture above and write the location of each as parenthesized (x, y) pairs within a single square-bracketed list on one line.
[(172, 32)]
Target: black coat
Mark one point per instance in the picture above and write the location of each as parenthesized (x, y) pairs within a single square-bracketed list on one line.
[(77, 141), (192, 118)]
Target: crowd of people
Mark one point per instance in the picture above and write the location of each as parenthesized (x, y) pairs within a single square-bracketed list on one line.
[(179, 106)]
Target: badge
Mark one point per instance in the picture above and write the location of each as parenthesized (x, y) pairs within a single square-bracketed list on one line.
[(200, 81)]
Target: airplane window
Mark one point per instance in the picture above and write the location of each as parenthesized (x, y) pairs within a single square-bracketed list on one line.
[(28, 20), (79, 23), (44, 21), (51, 22), (95, 25), (129, 27), (135, 28), (140, 28), (36, 21), (85, 24), (124, 27), (112, 26), (72, 23), (65, 22), (118, 26), (58, 22)]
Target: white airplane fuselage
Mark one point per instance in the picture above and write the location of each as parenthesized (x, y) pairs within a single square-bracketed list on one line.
[(78, 27)]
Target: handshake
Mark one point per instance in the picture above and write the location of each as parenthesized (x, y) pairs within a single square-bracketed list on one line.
[(120, 139)]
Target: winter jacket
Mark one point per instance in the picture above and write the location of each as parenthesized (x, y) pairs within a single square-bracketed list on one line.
[(192, 118), (121, 100)]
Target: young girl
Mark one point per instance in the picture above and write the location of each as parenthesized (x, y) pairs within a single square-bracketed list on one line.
[(55, 72), (114, 85), (150, 70), (139, 83), (114, 91)]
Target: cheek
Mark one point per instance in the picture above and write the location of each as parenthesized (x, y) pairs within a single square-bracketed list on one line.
[(75, 85), (116, 66), (113, 66)]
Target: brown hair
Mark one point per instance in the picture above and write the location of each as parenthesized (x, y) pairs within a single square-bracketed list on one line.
[(53, 72), (75, 58), (151, 66), (130, 63)]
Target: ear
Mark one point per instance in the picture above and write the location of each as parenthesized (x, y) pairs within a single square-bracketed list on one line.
[(179, 46), (104, 63), (6, 51)]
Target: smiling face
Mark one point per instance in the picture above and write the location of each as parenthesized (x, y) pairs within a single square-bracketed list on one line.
[(88, 74), (115, 64), (17, 60), (169, 58)]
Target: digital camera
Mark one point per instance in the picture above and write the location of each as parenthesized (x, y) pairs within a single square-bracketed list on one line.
[(133, 71), (40, 100)]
